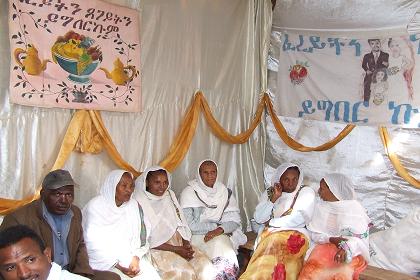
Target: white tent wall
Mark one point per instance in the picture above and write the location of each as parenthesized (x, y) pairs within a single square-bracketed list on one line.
[(361, 155), (213, 46)]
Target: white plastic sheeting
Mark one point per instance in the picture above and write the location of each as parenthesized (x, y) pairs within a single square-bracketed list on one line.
[(187, 45), (361, 154), (345, 16)]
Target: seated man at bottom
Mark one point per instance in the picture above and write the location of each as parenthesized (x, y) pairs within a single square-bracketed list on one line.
[(283, 211), (340, 230), (59, 225), (23, 255)]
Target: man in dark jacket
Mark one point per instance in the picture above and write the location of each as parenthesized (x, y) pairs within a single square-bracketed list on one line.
[(59, 224), (373, 61)]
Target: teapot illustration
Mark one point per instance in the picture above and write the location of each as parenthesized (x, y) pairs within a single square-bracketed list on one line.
[(32, 63), (119, 75)]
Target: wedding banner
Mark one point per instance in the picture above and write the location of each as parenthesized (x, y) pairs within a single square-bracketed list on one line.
[(74, 54), (367, 81)]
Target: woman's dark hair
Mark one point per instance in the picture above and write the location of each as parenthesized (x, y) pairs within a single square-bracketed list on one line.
[(376, 72), (372, 40), (151, 174), (14, 234)]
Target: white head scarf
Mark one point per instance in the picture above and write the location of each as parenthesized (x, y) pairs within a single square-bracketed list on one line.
[(112, 233), (197, 194), (280, 171), (346, 217), (283, 203), (341, 186), (162, 211)]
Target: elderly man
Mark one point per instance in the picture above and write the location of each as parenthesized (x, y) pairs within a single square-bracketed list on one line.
[(23, 255), (59, 224)]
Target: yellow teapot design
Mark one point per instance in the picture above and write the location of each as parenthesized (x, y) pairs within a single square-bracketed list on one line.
[(119, 75), (32, 63)]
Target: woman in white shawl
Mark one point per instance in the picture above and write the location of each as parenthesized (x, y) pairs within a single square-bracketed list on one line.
[(212, 214), (170, 235), (340, 227), (115, 232), (283, 211)]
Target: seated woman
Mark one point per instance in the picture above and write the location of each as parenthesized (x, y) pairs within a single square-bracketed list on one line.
[(115, 232), (283, 211), (170, 235), (212, 214), (340, 227)]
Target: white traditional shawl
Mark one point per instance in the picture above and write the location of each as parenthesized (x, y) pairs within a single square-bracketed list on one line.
[(215, 200), (112, 233), (161, 211), (283, 203), (341, 218)]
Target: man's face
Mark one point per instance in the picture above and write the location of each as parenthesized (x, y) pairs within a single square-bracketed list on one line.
[(208, 174), (375, 45), (24, 260), (58, 201)]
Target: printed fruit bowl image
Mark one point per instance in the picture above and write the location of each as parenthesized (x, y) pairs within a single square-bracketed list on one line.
[(77, 56)]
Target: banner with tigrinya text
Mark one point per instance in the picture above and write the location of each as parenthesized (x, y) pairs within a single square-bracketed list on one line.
[(367, 81), (74, 54)]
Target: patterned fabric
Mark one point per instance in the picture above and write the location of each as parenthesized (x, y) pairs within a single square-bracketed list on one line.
[(220, 251), (287, 248), (227, 270), (321, 265), (172, 266)]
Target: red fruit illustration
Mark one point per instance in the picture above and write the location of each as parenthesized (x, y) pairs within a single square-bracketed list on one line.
[(298, 72), (303, 72), (294, 75)]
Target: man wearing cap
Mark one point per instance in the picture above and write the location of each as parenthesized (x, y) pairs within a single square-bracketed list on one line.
[(59, 224)]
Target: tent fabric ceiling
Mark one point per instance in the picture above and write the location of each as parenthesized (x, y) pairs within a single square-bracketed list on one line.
[(342, 15)]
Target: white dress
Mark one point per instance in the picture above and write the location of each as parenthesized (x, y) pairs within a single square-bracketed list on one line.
[(56, 273), (397, 90), (114, 234)]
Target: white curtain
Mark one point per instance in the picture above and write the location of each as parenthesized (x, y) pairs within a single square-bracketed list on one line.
[(218, 47)]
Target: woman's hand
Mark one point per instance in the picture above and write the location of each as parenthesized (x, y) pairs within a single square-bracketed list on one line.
[(336, 240), (340, 256), (132, 270), (185, 251), (213, 233), (134, 266), (277, 192)]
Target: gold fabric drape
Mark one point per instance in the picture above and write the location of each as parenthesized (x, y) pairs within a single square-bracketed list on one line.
[(402, 172), (87, 133), (281, 131)]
